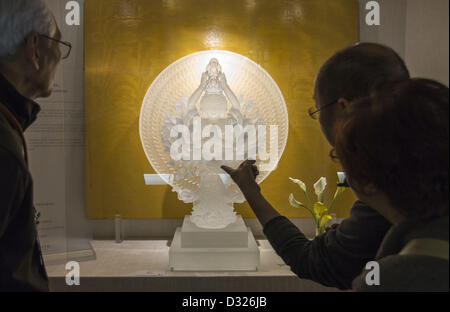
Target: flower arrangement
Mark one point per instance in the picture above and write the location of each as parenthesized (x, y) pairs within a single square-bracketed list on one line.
[(320, 212)]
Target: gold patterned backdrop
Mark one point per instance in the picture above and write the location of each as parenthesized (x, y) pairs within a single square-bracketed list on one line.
[(129, 42)]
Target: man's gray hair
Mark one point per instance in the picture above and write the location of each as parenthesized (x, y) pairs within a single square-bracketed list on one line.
[(18, 18)]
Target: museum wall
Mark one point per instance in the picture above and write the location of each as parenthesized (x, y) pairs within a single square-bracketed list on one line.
[(417, 30), (426, 44)]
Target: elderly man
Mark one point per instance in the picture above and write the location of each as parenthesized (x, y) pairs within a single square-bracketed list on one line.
[(30, 52), (338, 256)]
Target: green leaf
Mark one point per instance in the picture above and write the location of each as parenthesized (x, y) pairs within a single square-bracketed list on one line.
[(338, 192)]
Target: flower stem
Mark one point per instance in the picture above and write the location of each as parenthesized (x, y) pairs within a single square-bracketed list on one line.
[(308, 199), (311, 210), (313, 215)]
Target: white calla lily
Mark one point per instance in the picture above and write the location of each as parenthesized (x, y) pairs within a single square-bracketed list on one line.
[(301, 184), (295, 203), (319, 188)]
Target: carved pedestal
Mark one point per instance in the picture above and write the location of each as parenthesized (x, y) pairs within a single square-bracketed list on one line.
[(230, 249)]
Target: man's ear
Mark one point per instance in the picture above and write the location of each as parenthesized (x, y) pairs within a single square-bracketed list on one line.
[(343, 104), (32, 49)]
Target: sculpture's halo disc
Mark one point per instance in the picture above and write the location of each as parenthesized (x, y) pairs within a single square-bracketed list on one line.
[(182, 78)]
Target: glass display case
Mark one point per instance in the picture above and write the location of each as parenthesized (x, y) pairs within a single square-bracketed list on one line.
[(101, 200)]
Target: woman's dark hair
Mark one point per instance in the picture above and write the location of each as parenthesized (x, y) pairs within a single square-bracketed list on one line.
[(397, 140)]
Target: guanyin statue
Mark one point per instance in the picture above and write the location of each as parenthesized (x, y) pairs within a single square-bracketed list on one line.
[(204, 94), (216, 104)]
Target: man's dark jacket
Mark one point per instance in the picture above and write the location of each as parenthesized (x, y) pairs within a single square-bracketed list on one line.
[(21, 265), (336, 257)]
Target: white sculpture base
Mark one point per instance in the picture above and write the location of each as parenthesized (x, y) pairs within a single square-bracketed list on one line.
[(230, 249)]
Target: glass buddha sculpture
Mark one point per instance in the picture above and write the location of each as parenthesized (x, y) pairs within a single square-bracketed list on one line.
[(198, 98)]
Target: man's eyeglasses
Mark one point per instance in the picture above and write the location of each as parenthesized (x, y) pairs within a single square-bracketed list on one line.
[(314, 113), (65, 47)]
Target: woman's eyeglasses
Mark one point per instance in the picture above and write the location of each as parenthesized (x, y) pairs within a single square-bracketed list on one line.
[(65, 47)]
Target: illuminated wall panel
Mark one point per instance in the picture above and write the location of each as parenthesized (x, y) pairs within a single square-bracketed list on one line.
[(129, 42)]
